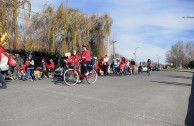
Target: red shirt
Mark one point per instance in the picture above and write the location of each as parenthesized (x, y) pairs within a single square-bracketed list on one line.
[(85, 56), (73, 58), (123, 62), (51, 65)]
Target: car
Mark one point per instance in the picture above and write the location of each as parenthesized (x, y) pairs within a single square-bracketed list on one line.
[(155, 68), (145, 68)]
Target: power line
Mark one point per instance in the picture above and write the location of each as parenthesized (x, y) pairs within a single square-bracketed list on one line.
[(188, 17)]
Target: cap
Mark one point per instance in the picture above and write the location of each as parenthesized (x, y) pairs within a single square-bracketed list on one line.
[(85, 45)]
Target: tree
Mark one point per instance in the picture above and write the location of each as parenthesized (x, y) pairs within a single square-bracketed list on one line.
[(191, 64), (180, 54), (176, 54), (10, 10), (53, 31)]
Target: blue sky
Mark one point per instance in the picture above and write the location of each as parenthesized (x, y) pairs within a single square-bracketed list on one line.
[(152, 25)]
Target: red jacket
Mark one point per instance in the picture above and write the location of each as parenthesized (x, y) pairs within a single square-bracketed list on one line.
[(73, 58), (123, 62), (22, 68), (85, 56), (50, 66)]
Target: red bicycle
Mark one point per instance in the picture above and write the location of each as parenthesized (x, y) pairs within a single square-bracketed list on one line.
[(71, 76)]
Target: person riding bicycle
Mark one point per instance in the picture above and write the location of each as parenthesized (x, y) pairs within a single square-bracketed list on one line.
[(73, 59), (123, 64), (114, 65), (132, 66), (149, 65), (85, 59)]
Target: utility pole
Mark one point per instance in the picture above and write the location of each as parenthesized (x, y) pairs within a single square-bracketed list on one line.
[(114, 48), (107, 47)]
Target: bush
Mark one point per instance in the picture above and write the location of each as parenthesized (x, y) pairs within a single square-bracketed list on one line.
[(191, 64)]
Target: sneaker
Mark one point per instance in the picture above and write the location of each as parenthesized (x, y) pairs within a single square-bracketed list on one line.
[(79, 81)]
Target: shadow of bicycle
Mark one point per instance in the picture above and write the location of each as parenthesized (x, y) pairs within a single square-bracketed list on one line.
[(189, 120)]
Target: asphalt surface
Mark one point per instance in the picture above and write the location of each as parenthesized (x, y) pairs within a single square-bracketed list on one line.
[(139, 100)]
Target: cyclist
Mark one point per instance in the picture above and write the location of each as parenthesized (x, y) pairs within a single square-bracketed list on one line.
[(149, 65), (73, 59), (123, 64), (86, 59), (132, 66)]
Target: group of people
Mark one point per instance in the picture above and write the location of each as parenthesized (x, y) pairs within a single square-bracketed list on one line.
[(119, 65), (27, 68), (115, 65), (85, 59), (44, 68)]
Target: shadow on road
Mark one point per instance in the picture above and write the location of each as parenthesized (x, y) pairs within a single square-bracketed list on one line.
[(183, 77), (189, 121), (172, 83)]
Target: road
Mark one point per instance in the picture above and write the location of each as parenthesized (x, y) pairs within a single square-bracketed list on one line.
[(139, 100)]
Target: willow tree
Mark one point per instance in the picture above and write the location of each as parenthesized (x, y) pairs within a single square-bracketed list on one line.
[(65, 29), (16, 5), (100, 29)]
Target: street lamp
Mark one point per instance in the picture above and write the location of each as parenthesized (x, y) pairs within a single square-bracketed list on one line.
[(135, 53), (114, 48)]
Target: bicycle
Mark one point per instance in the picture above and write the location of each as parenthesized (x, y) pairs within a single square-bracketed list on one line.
[(71, 76), (124, 71)]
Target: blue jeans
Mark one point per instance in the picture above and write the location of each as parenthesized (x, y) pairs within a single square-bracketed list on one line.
[(30, 71)]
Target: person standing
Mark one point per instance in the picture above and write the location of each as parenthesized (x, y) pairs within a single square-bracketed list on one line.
[(30, 68), (44, 70), (105, 65), (4, 60)]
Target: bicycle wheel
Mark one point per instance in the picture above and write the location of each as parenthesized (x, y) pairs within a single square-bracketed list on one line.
[(70, 77), (91, 77)]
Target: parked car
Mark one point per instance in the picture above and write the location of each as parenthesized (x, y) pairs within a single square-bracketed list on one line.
[(145, 68), (156, 68)]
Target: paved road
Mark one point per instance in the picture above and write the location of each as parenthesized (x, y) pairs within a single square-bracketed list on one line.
[(158, 100)]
